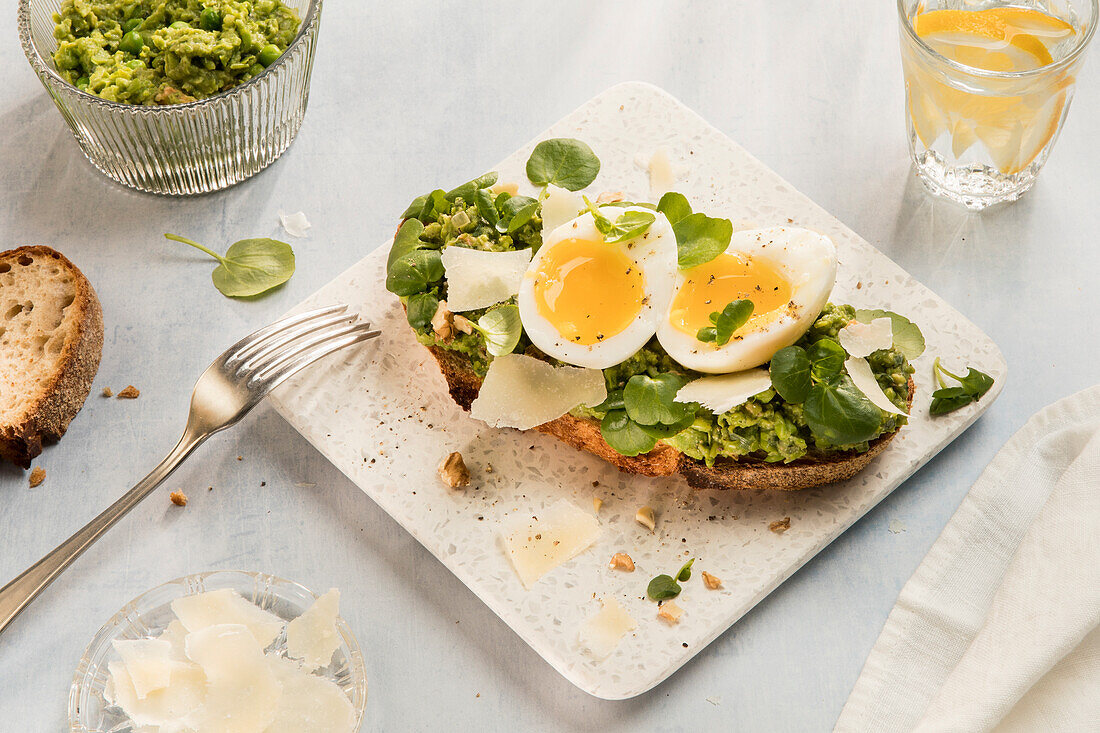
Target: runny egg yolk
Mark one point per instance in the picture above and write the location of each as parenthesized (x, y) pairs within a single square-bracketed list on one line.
[(711, 286), (588, 290)]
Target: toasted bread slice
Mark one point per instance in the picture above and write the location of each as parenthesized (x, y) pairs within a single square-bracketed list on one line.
[(51, 337), (664, 460)]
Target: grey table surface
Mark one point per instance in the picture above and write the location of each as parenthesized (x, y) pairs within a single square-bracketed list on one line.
[(409, 95)]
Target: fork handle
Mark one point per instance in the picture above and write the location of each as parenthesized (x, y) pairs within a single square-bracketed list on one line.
[(16, 595)]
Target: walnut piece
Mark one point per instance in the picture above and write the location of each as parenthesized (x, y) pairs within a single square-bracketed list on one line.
[(464, 324), (443, 323), (670, 613), (645, 517), (711, 581), (781, 526), (38, 475), (621, 561), (597, 504), (130, 393), (178, 498), (610, 197), (108, 392), (453, 471)]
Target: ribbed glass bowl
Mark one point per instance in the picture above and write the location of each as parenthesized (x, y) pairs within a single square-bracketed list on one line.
[(151, 612), (189, 148)]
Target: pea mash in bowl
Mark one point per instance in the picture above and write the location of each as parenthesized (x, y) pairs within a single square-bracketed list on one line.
[(157, 52)]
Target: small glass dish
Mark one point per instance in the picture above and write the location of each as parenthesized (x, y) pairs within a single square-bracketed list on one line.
[(150, 613), (182, 149)]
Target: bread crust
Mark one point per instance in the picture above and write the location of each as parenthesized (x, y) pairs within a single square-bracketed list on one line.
[(62, 396), (664, 460)]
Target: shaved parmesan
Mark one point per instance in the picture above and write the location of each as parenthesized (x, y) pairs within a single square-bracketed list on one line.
[(521, 392), (559, 206), (537, 546), (663, 173), (175, 635), (478, 279), (242, 692), (601, 633), (722, 393), (170, 708), (226, 607), (296, 225), (309, 704), (863, 339), (312, 637), (148, 661), (864, 380)]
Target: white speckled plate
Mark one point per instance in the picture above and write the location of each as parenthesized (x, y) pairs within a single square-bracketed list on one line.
[(382, 415)]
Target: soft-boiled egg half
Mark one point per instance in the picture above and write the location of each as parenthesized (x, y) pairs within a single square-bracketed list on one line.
[(592, 303), (786, 272)]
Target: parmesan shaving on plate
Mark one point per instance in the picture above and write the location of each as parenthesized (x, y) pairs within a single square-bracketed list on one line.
[(537, 546), (663, 173), (241, 691), (149, 662), (863, 339), (312, 637), (296, 225), (478, 279), (522, 392), (559, 206), (864, 380), (226, 607), (308, 704), (724, 392), (601, 633)]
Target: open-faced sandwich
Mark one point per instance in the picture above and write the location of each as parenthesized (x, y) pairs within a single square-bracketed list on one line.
[(653, 336)]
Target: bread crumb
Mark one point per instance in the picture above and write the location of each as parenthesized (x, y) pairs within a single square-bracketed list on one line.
[(780, 526), (711, 581), (178, 498), (108, 392), (453, 471), (645, 517), (488, 468), (130, 393), (38, 475), (621, 561), (669, 612)]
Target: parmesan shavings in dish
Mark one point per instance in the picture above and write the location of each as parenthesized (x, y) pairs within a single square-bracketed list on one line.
[(296, 225), (601, 633), (214, 676), (864, 380), (863, 339), (522, 392), (724, 392), (537, 546), (559, 206), (663, 173), (478, 279)]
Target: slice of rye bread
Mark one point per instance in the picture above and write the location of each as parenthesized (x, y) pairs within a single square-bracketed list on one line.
[(664, 460), (51, 337)]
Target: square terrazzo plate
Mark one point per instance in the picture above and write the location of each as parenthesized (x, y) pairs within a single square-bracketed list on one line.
[(382, 415)]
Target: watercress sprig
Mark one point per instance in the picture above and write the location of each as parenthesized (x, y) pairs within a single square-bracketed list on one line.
[(249, 267), (501, 328), (726, 322), (643, 412), (665, 587), (628, 225), (699, 238), (411, 267), (563, 162), (948, 399)]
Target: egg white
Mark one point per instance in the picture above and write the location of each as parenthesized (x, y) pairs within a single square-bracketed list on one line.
[(806, 259), (654, 253)]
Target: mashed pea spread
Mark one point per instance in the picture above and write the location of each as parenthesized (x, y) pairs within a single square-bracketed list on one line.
[(764, 428), (168, 51)]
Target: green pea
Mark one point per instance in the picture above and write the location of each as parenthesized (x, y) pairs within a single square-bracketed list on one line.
[(256, 69), (82, 82), (136, 64), (210, 20), (132, 42), (180, 24), (269, 54), (246, 39), (132, 24)]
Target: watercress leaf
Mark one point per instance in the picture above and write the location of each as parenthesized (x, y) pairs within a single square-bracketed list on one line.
[(522, 217), (413, 272), (466, 190), (827, 357), (435, 203), (707, 335), (908, 338), (501, 199), (790, 373), (660, 432), (685, 572), (415, 207), (563, 162), (699, 239), (949, 399), (253, 266), (662, 588), (614, 401), (839, 413), (976, 383), (630, 225), (651, 400), (501, 329), (624, 435), (486, 208), (603, 224), (621, 204), (735, 315), (420, 310), (516, 211), (406, 240), (674, 206)]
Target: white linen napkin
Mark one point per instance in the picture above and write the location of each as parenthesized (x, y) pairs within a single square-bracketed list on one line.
[(999, 628)]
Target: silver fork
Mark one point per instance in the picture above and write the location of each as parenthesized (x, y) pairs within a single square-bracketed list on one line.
[(226, 391)]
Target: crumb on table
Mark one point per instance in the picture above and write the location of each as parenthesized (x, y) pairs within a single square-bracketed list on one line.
[(38, 475), (178, 498), (130, 393), (108, 392), (780, 526)]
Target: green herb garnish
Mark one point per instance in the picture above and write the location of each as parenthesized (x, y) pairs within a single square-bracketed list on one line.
[(685, 572), (515, 211), (948, 399), (645, 411), (699, 238), (420, 309), (674, 206), (410, 267), (501, 328), (908, 338), (664, 587), (624, 435), (628, 225), (249, 267), (726, 322), (563, 162)]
